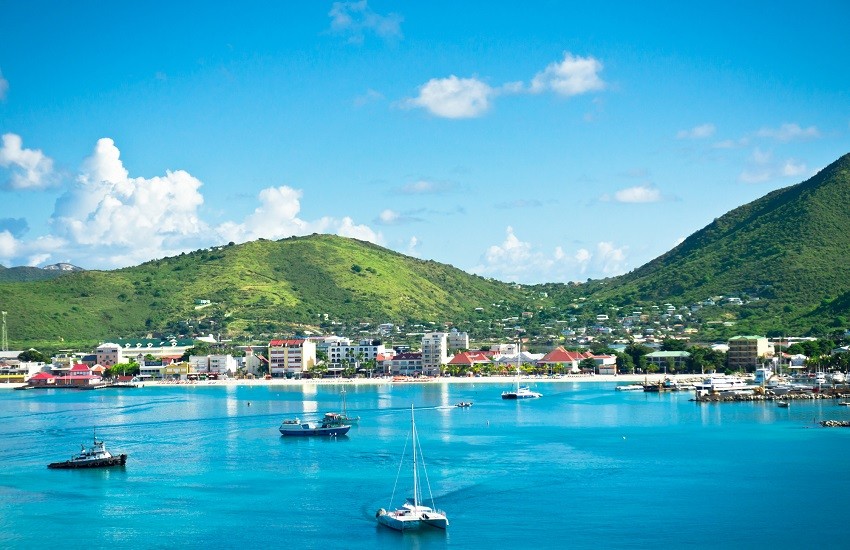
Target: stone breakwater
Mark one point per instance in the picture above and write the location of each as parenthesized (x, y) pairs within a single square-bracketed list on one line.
[(835, 423), (730, 397)]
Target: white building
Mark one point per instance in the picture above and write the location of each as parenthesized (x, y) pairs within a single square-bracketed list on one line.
[(289, 358), (435, 352), (109, 354), (457, 340)]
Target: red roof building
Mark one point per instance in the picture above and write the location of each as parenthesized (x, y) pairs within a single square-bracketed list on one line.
[(560, 356)]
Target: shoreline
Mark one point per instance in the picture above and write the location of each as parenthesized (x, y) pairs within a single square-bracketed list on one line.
[(580, 378)]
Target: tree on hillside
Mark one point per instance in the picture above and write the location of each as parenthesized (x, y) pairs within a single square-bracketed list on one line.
[(673, 344), (33, 355)]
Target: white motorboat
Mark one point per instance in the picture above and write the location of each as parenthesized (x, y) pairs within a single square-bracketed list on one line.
[(413, 514), (718, 383)]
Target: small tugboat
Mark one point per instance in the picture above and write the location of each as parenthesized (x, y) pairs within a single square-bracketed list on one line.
[(298, 428), (94, 457)]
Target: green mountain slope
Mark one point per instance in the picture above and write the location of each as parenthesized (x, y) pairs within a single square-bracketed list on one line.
[(789, 248), (254, 288)]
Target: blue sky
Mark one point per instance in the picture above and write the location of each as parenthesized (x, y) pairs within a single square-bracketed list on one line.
[(524, 141)]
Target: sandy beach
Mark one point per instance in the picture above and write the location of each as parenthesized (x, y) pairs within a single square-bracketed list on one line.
[(623, 379), (497, 380)]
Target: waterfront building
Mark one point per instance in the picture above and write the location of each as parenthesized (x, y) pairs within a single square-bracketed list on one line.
[(213, 364), (109, 354), (457, 340), (661, 359), (435, 352), (406, 364), (567, 359), (288, 358), (747, 352)]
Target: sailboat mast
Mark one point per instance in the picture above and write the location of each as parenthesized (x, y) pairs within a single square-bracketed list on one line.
[(415, 477), (518, 361)]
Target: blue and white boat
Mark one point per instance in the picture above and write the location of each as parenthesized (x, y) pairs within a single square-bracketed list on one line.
[(298, 428)]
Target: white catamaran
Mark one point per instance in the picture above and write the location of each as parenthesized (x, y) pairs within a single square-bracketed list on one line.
[(413, 514), (521, 392)]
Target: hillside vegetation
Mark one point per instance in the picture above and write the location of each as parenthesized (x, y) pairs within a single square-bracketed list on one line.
[(787, 253), (253, 288)]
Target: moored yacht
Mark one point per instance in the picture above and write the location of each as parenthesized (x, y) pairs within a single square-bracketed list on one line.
[(298, 428), (717, 383)]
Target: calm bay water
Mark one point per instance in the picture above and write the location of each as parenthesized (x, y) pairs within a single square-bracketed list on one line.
[(583, 467)]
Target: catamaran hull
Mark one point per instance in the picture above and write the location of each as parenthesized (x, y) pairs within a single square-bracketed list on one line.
[(411, 523)]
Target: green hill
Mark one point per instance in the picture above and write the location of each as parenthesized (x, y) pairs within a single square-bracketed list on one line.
[(789, 250), (785, 255), (260, 287)]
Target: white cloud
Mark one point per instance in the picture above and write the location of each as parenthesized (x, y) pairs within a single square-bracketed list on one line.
[(4, 86), (638, 194), (762, 168), (8, 245), (111, 219), (571, 76), (30, 168), (697, 132), (425, 187), (355, 19), (413, 246), (788, 132), (277, 218), (389, 217), (453, 97), (516, 260), (793, 168)]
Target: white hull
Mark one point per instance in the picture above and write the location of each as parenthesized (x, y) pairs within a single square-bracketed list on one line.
[(409, 518)]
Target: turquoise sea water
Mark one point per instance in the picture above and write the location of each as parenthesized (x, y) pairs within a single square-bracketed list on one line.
[(583, 467)]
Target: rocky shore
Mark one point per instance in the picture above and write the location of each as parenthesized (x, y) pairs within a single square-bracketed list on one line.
[(767, 395)]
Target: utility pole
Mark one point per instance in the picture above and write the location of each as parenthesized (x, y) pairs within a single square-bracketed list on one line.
[(5, 336)]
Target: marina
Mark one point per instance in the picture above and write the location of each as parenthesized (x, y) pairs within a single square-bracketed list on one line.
[(641, 457)]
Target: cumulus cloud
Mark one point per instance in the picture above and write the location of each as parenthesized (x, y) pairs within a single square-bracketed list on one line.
[(573, 75), (789, 132), (697, 132), (356, 19), (16, 226), (109, 219), (637, 194), (520, 261), (4, 86), (413, 246), (453, 97), (277, 218), (127, 219), (30, 168)]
